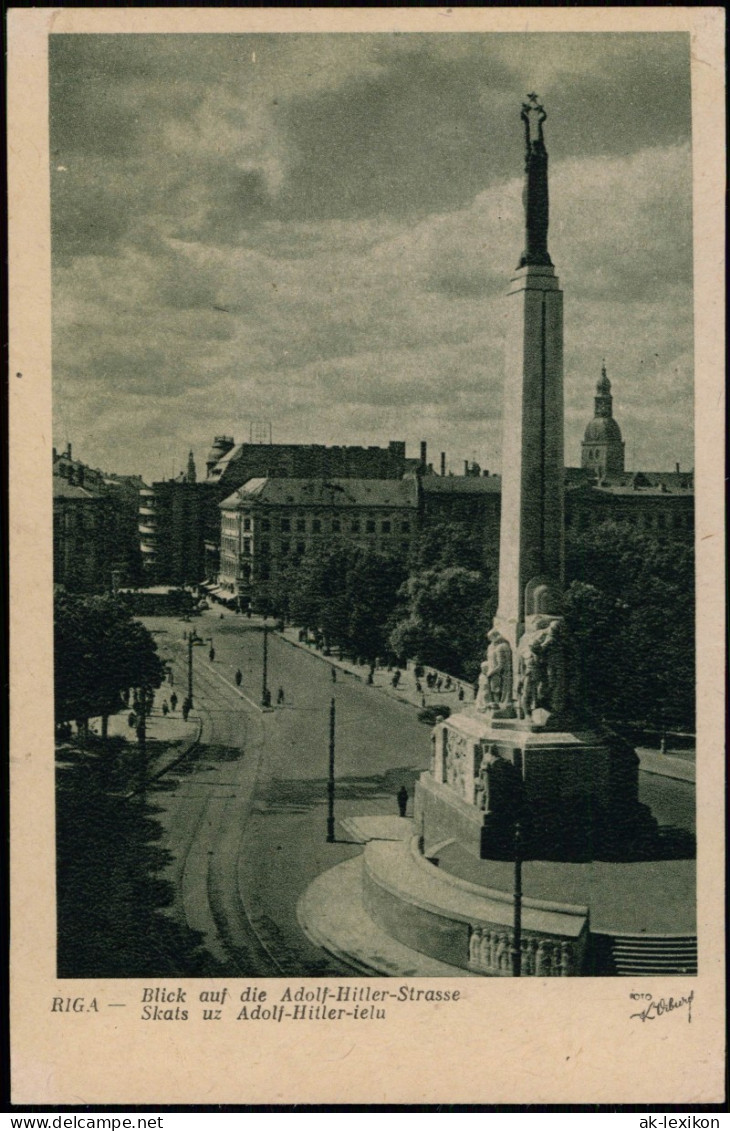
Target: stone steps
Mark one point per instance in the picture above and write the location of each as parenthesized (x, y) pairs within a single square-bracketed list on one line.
[(636, 955)]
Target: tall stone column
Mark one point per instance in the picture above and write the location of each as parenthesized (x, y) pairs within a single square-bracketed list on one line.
[(525, 754), (532, 524)]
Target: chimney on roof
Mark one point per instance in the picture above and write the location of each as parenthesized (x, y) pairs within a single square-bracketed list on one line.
[(424, 457), (443, 464)]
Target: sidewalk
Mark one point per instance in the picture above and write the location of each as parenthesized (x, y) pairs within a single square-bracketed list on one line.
[(650, 761), (406, 691), (169, 737)]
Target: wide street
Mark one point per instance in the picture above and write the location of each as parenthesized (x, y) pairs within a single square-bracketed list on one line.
[(258, 772), (244, 817)]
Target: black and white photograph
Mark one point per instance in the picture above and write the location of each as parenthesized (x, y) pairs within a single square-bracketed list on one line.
[(372, 383), (373, 553)]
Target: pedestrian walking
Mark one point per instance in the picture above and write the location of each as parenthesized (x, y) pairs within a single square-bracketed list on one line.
[(280, 697), (396, 677), (173, 701), (461, 693), (402, 797), (439, 683), (423, 700), (211, 654), (419, 689), (334, 674), (238, 677), (186, 709), (165, 708)]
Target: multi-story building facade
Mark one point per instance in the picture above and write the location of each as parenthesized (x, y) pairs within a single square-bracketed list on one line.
[(193, 531), (173, 516), (95, 544), (269, 523), (657, 503)]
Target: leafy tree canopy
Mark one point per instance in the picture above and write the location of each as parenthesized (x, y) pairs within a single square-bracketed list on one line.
[(630, 608), (444, 618), (99, 651), (347, 593)]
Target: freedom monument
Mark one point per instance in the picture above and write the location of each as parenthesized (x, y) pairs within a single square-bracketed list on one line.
[(522, 776), (528, 752)]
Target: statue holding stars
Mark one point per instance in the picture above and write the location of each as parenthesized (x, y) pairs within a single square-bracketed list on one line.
[(535, 196)]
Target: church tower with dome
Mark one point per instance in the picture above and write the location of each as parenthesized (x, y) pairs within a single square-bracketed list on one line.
[(602, 449)]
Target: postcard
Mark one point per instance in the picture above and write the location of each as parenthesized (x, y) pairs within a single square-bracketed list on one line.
[(366, 556)]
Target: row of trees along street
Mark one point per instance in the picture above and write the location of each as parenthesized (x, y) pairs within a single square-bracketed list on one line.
[(629, 608), (100, 653), (433, 606)]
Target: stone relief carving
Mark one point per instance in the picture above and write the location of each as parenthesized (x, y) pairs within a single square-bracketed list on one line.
[(490, 952), (456, 764), (481, 779)]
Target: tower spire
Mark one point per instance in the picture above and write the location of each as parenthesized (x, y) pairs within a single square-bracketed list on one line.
[(603, 400), (535, 193)]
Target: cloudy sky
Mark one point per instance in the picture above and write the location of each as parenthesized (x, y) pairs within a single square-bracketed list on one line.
[(318, 231)]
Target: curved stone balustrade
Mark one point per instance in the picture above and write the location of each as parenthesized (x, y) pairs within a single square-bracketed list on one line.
[(490, 952)]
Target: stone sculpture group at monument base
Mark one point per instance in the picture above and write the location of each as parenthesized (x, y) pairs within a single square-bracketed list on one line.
[(523, 774)]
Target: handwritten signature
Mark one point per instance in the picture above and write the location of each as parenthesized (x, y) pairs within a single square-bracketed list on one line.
[(658, 1007)]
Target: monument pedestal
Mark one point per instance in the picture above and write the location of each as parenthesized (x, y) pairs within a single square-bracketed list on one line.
[(575, 793)]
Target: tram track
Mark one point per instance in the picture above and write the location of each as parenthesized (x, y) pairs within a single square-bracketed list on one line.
[(206, 819)]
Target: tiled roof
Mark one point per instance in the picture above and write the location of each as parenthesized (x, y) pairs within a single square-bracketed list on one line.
[(461, 484), (326, 492), (62, 489)]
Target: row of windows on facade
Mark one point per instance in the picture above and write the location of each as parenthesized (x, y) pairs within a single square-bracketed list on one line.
[(336, 526), (264, 571), (229, 548), (660, 521)]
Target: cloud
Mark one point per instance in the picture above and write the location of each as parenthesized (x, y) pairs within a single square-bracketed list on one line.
[(323, 237)]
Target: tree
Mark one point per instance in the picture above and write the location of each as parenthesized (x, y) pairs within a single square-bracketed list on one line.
[(99, 652), (445, 614), (443, 545), (630, 608), (346, 593)]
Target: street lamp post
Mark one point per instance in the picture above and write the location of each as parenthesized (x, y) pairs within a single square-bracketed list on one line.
[(520, 813), (190, 668), (142, 731), (517, 922), (265, 694), (331, 779)]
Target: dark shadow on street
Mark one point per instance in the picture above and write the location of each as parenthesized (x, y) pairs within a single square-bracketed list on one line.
[(111, 897), (282, 795)]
